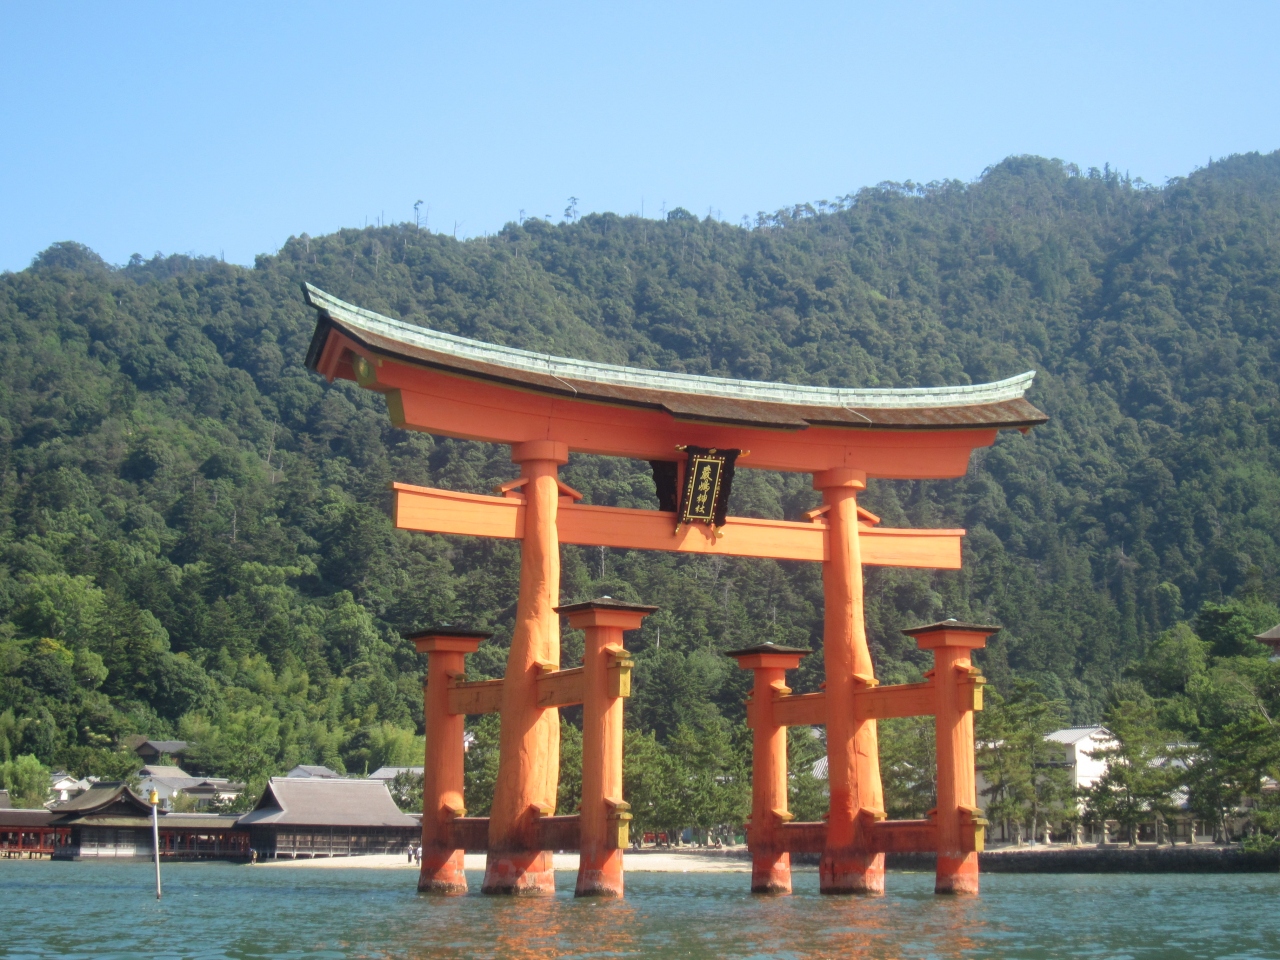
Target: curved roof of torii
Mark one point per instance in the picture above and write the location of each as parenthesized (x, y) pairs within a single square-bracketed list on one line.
[(684, 396)]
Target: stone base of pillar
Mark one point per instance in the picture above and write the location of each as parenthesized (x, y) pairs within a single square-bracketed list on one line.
[(443, 873), (771, 873), (957, 874), (520, 874), (602, 878), (851, 873)]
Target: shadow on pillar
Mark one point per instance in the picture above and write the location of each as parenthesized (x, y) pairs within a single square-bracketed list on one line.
[(606, 682), (958, 693), (443, 776), (770, 860)]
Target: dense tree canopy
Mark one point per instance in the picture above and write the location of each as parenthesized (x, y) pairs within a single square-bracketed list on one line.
[(194, 536)]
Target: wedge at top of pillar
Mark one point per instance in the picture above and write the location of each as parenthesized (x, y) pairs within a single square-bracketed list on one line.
[(455, 386)]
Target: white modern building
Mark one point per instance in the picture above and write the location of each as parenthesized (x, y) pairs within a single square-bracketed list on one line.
[(170, 783), (1078, 743), (63, 786)]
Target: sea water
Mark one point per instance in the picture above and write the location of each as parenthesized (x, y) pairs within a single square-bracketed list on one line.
[(92, 910)]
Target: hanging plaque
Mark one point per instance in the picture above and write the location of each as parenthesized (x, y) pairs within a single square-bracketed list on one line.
[(704, 495)]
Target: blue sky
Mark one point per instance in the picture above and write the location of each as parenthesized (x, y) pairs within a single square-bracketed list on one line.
[(225, 128)]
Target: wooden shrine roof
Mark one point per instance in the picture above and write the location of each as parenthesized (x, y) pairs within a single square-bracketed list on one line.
[(684, 396), (17, 818), (107, 804), (297, 801)]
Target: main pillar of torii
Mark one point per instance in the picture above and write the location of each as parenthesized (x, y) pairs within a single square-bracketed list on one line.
[(529, 749), (548, 407)]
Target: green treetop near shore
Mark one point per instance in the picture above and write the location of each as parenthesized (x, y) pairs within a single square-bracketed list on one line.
[(194, 534)]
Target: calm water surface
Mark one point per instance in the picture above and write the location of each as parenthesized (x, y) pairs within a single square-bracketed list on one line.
[(73, 910)]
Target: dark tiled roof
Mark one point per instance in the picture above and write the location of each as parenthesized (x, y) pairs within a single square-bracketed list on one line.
[(200, 821), (684, 396), (163, 746), (104, 804), (11, 817), (100, 796), (766, 648), (952, 625), (604, 603), (294, 801)]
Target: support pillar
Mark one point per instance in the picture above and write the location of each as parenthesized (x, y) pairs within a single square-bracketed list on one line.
[(853, 752), (606, 681), (770, 861), (442, 771), (529, 748), (958, 692)]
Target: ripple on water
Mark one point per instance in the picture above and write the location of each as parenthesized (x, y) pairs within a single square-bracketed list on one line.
[(88, 910)]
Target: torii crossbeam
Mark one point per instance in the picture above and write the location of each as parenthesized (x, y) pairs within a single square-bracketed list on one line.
[(545, 407)]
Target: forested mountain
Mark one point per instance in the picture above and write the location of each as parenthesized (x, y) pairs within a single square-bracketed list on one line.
[(194, 534)]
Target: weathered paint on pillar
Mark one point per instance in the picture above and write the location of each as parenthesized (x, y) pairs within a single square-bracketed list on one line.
[(606, 669), (529, 747), (853, 751), (956, 685), (442, 770), (770, 862)]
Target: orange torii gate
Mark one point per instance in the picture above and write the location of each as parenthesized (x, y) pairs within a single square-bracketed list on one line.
[(544, 407)]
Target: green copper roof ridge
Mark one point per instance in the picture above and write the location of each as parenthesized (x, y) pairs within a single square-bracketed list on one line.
[(1011, 388)]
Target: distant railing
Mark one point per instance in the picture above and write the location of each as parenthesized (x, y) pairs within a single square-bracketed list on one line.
[(29, 844), (340, 842)]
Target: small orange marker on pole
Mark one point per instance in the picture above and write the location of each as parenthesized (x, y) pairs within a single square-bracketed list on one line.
[(155, 834)]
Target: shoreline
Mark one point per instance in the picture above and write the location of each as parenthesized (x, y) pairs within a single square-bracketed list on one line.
[(643, 862), (1205, 858)]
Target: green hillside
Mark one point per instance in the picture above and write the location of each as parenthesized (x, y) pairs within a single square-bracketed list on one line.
[(194, 535)]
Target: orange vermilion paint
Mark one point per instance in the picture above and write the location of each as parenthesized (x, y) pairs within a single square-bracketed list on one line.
[(853, 757), (464, 389), (529, 748), (603, 810), (770, 860), (954, 679), (442, 772)]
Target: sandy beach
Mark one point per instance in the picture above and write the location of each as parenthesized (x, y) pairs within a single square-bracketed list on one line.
[(643, 862)]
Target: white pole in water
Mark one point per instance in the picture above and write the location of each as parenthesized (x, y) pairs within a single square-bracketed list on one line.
[(155, 835)]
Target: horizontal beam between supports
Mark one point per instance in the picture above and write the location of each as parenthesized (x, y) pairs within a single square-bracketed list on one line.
[(476, 697), (561, 688), (870, 703), (429, 510), (556, 688), (551, 833), (884, 836)]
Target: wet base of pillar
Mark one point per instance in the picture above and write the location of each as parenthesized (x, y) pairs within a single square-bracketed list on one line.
[(520, 874), (957, 874), (443, 873), (600, 876), (845, 873), (771, 873)]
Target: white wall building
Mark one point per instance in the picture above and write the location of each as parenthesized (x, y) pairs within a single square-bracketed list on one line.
[(169, 783), (1077, 744)]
